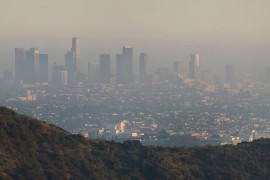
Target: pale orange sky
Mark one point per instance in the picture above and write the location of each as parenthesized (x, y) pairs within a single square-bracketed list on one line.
[(228, 19)]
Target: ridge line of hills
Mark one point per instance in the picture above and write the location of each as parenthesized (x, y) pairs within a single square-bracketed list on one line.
[(32, 149)]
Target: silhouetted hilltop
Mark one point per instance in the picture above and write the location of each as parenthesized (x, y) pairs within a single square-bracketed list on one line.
[(31, 149)]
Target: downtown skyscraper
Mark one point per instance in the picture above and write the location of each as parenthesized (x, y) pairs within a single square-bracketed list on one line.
[(194, 67), (143, 67), (76, 52), (124, 66), (105, 68), (230, 74), (72, 62), (128, 63), (20, 63), (43, 67)]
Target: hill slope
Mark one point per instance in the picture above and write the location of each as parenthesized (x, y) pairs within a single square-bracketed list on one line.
[(31, 149)]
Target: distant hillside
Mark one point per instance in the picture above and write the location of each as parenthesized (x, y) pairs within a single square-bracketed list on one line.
[(31, 149)]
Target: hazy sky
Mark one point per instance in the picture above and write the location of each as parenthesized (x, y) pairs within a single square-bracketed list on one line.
[(221, 31)]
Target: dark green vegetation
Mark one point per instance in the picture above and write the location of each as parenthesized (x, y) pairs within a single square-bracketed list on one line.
[(30, 149)]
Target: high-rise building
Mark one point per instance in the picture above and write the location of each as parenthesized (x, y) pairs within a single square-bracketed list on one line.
[(143, 67), (105, 68), (33, 58), (120, 69), (128, 63), (72, 62), (194, 67), (69, 61), (20, 64), (27, 65), (230, 74), (76, 52), (43, 68), (179, 68), (70, 66), (124, 66)]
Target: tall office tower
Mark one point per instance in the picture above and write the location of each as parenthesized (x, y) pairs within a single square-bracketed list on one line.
[(32, 65), (194, 67), (143, 67), (179, 67), (59, 76), (93, 72), (76, 52), (105, 68), (70, 66), (33, 55), (69, 61), (120, 69), (72, 61), (230, 74), (124, 66), (43, 68), (128, 63), (20, 64)]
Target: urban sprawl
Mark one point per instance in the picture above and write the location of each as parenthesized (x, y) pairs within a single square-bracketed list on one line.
[(186, 106)]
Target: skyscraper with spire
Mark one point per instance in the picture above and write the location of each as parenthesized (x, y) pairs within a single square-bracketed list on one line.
[(72, 62), (76, 52)]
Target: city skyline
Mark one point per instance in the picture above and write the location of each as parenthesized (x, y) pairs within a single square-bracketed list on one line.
[(31, 67), (170, 31)]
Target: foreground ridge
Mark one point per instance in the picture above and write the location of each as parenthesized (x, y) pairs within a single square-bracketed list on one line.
[(32, 149)]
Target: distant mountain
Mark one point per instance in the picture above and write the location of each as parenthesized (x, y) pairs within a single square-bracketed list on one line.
[(31, 149)]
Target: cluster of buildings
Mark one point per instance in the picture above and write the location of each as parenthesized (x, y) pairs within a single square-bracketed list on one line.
[(31, 67)]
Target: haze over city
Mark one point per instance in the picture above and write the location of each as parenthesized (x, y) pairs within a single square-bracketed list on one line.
[(143, 89), (222, 32)]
